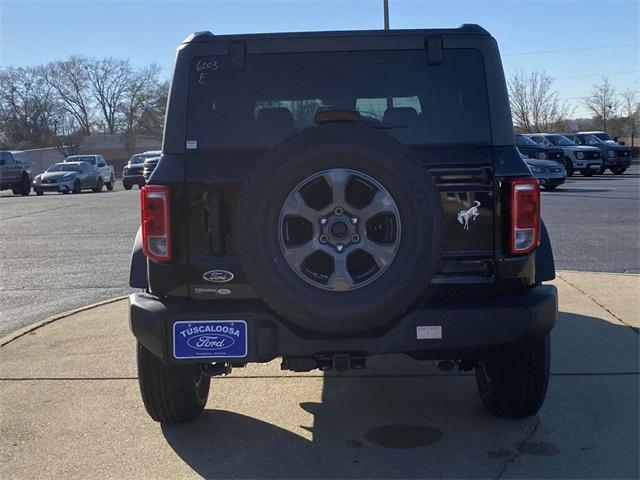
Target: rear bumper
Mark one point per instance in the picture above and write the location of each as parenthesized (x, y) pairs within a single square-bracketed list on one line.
[(467, 328)]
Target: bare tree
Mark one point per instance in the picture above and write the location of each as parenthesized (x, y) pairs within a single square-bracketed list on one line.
[(535, 105), (602, 102), (26, 107), (109, 80), (68, 135), (631, 112), (142, 104), (70, 82)]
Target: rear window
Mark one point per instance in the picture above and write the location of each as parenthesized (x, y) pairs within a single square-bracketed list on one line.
[(278, 94), (80, 159)]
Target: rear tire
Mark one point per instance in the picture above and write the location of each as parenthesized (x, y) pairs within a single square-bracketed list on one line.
[(550, 187), (25, 185), (126, 185), (110, 184), (513, 380), (39, 192), (171, 393), (77, 188), (618, 171), (568, 166), (587, 172), (98, 187)]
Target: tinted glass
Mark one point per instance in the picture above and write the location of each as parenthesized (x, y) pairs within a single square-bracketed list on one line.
[(603, 136), (525, 141), (560, 140), (61, 167), (278, 94), (80, 159)]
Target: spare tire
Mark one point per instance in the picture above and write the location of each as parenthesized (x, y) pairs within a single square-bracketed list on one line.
[(340, 228)]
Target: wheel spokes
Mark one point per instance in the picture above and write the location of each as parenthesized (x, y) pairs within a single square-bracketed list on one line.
[(380, 203), (297, 255), (295, 205), (337, 180), (341, 278), (383, 254)]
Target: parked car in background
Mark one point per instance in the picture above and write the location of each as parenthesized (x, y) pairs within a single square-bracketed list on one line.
[(576, 157), (615, 157), (15, 173), (604, 136), (549, 173), (132, 174), (69, 177), (531, 149), (107, 173), (149, 166)]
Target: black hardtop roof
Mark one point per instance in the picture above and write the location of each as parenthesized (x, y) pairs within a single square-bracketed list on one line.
[(465, 29)]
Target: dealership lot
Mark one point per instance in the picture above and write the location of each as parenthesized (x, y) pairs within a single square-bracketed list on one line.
[(61, 252), (400, 418)]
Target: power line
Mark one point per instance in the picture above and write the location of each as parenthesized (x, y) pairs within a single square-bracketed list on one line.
[(543, 52), (606, 74)]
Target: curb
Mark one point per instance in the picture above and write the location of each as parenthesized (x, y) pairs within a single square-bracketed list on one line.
[(35, 326), (625, 274)]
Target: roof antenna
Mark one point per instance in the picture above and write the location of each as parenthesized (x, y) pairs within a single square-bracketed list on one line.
[(386, 14)]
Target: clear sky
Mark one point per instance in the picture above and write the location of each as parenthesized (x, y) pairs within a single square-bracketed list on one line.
[(574, 41)]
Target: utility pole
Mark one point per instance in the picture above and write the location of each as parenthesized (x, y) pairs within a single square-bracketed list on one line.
[(386, 27), (386, 14)]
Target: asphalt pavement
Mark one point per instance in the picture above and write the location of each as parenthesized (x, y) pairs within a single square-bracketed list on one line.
[(60, 252), (594, 222), (70, 408)]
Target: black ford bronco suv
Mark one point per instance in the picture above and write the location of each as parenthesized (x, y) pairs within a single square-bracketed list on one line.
[(325, 197)]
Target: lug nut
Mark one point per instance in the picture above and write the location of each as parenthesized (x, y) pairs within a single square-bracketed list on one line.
[(355, 238), (354, 220), (339, 247), (338, 211), (323, 221), (323, 238)]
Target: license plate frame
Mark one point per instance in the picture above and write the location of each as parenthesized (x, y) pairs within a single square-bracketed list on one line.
[(205, 339)]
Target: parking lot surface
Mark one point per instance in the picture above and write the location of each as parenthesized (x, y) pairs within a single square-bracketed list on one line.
[(71, 408), (60, 252)]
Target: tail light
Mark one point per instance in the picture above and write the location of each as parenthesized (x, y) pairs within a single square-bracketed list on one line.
[(525, 215), (156, 222)]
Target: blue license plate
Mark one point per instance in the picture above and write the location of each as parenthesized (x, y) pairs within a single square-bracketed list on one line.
[(210, 339)]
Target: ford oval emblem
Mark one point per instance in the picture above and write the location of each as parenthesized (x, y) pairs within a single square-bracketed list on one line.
[(217, 341), (218, 276)]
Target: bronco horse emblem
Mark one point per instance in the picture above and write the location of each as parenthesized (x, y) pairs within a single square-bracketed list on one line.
[(470, 214)]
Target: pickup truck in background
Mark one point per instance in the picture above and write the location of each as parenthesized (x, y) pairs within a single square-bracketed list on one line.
[(15, 173), (107, 172)]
